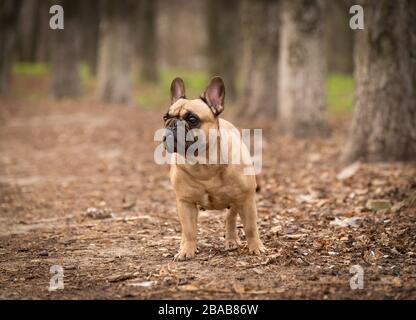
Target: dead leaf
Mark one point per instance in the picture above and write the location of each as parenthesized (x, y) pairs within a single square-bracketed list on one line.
[(144, 284), (258, 271), (349, 171), (120, 277), (294, 236), (371, 256), (95, 213), (395, 281), (188, 287), (346, 222), (238, 288), (398, 206), (306, 198), (378, 204), (276, 229)]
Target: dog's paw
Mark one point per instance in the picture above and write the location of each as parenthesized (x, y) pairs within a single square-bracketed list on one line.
[(186, 252), (232, 244), (256, 248)]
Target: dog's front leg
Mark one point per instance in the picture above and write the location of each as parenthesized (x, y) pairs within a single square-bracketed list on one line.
[(231, 237), (248, 214), (188, 216)]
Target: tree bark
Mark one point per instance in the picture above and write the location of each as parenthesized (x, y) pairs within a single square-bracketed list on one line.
[(90, 19), (65, 54), (28, 27), (339, 36), (148, 49), (182, 34), (384, 119), (302, 69), (223, 39), (9, 12), (116, 52), (44, 34), (260, 25)]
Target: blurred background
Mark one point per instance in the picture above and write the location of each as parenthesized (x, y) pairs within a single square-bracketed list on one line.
[(79, 108), (129, 51), (291, 61)]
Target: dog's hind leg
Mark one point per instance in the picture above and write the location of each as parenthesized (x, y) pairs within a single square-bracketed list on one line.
[(232, 241)]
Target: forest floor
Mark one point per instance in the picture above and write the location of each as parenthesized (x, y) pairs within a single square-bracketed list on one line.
[(59, 159)]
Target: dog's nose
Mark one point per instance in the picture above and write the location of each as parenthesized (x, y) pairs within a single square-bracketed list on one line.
[(173, 124), (169, 141)]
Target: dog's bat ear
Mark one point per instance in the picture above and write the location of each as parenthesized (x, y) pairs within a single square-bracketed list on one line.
[(214, 95), (177, 90)]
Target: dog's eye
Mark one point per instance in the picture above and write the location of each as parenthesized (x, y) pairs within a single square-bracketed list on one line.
[(165, 116), (193, 120)]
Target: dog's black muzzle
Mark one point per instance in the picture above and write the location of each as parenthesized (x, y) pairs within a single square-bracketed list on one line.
[(174, 139)]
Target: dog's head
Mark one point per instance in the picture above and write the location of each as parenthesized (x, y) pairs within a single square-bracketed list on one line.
[(184, 115)]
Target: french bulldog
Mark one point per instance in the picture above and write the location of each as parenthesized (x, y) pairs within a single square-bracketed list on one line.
[(212, 186)]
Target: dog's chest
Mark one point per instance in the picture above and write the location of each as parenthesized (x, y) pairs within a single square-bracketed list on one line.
[(216, 197), (219, 191), (211, 201)]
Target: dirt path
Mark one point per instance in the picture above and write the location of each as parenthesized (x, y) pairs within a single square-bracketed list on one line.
[(57, 160)]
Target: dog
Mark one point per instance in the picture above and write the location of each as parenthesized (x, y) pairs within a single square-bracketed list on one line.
[(215, 186)]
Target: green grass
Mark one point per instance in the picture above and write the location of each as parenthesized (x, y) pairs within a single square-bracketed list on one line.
[(41, 69), (152, 96), (87, 77), (340, 89), (30, 69)]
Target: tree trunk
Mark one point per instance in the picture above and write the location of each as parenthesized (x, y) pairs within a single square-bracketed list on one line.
[(90, 16), (28, 26), (260, 25), (182, 34), (116, 53), (302, 69), (44, 34), (34, 33), (339, 36), (65, 54), (9, 12), (223, 33), (148, 40), (384, 120)]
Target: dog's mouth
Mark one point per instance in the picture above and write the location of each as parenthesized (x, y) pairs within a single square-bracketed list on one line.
[(177, 138), (174, 145)]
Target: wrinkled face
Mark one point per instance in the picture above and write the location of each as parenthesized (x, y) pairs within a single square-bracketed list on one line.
[(185, 117)]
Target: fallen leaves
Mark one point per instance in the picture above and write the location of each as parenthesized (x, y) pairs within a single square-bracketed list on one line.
[(95, 213), (188, 287), (349, 171), (312, 217), (394, 281), (346, 222), (143, 284), (294, 236), (121, 277), (378, 204), (238, 288), (372, 256)]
